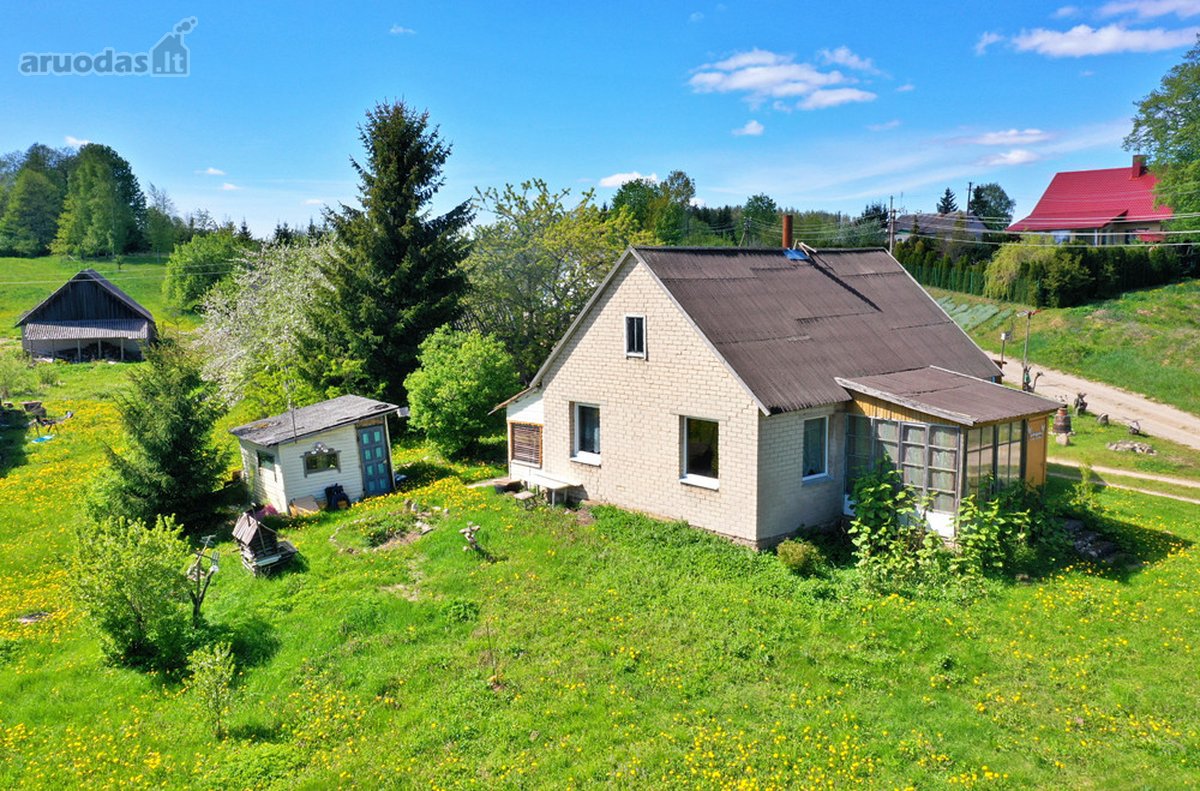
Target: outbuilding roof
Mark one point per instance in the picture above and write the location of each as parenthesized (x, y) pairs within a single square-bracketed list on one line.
[(941, 224), (86, 277), (960, 399), (1087, 199), (789, 324), (96, 329), (308, 420)]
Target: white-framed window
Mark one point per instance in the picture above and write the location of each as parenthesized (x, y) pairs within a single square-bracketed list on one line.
[(635, 336), (816, 448), (701, 452), (585, 443)]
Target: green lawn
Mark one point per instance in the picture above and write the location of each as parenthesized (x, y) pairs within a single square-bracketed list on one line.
[(24, 282), (1145, 341), (597, 648)]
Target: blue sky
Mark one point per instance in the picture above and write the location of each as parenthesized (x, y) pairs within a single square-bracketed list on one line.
[(818, 105)]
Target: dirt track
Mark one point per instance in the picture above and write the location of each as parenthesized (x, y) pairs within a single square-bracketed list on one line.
[(1122, 406)]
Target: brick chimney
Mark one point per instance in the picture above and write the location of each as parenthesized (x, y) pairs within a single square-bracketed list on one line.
[(1139, 166), (787, 232)]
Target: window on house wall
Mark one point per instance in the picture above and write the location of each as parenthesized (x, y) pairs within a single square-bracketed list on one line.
[(320, 461), (525, 445), (266, 461), (635, 336), (1008, 453), (816, 456), (701, 451), (942, 480), (586, 442), (858, 449)]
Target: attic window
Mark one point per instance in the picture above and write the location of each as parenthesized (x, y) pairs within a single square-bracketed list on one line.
[(635, 336)]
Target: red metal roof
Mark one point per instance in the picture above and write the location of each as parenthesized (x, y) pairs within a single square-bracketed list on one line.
[(1085, 199)]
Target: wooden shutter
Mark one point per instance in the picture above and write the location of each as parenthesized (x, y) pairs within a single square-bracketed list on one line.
[(525, 443)]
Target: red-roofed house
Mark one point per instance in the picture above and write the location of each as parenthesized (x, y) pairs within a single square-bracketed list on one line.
[(1111, 206)]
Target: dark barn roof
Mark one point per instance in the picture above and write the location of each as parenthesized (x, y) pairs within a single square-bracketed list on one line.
[(307, 420), (790, 325), (84, 299), (961, 399)]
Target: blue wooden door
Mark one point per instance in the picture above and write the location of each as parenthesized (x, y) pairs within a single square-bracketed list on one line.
[(376, 467)]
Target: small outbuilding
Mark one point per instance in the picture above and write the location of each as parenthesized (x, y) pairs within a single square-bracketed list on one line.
[(87, 318), (302, 453), (262, 550)]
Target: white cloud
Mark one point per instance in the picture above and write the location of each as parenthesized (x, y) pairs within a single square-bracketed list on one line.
[(885, 126), (401, 30), (906, 87), (211, 172), (695, 16), (986, 40), (697, 202), (75, 142), (1149, 9), (314, 202), (819, 100), (1010, 137), (752, 128), (1066, 12), (761, 74), (227, 187), (1083, 40), (617, 179), (1018, 156), (842, 56)]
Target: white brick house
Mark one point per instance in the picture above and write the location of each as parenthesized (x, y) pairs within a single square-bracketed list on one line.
[(703, 384)]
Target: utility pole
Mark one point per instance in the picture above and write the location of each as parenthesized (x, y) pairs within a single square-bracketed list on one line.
[(970, 185), (891, 224), (1026, 381)]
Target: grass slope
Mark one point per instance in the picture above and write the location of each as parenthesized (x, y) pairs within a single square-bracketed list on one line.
[(24, 282), (1144, 341), (604, 649)]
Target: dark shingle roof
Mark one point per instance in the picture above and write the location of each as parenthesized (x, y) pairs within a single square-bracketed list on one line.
[(789, 328), (941, 224), (961, 399), (307, 420)]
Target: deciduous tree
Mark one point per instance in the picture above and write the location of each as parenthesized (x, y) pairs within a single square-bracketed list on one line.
[(1167, 129)]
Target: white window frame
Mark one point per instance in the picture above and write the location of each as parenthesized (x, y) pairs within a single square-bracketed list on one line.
[(692, 479), (637, 355), (824, 473), (577, 455)]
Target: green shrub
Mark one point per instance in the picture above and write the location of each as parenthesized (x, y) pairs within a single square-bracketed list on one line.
[(800, 557), (196, 266), (47, 375), (212, 670), (462, 376), (15, 376), (989, 534), (128, 579)]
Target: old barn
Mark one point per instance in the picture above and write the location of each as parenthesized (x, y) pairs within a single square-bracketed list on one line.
[(87, 318)]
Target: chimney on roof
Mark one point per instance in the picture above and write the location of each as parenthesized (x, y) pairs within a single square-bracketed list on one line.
[(1139, 166), (787, 232)]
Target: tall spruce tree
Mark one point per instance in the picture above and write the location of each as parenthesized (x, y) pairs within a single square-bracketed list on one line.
[(172, 466), (397, 274), (947, 204)]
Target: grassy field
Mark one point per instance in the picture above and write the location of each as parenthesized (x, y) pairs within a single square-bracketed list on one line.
[(596, 648), (24, 282), (1144, 341)]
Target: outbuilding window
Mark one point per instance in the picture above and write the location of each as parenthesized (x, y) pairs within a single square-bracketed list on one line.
[(321, 460), (701, 452), (266, 461), (635, 336)]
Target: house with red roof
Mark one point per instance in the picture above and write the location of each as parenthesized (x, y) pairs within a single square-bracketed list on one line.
[(1110, 206)]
